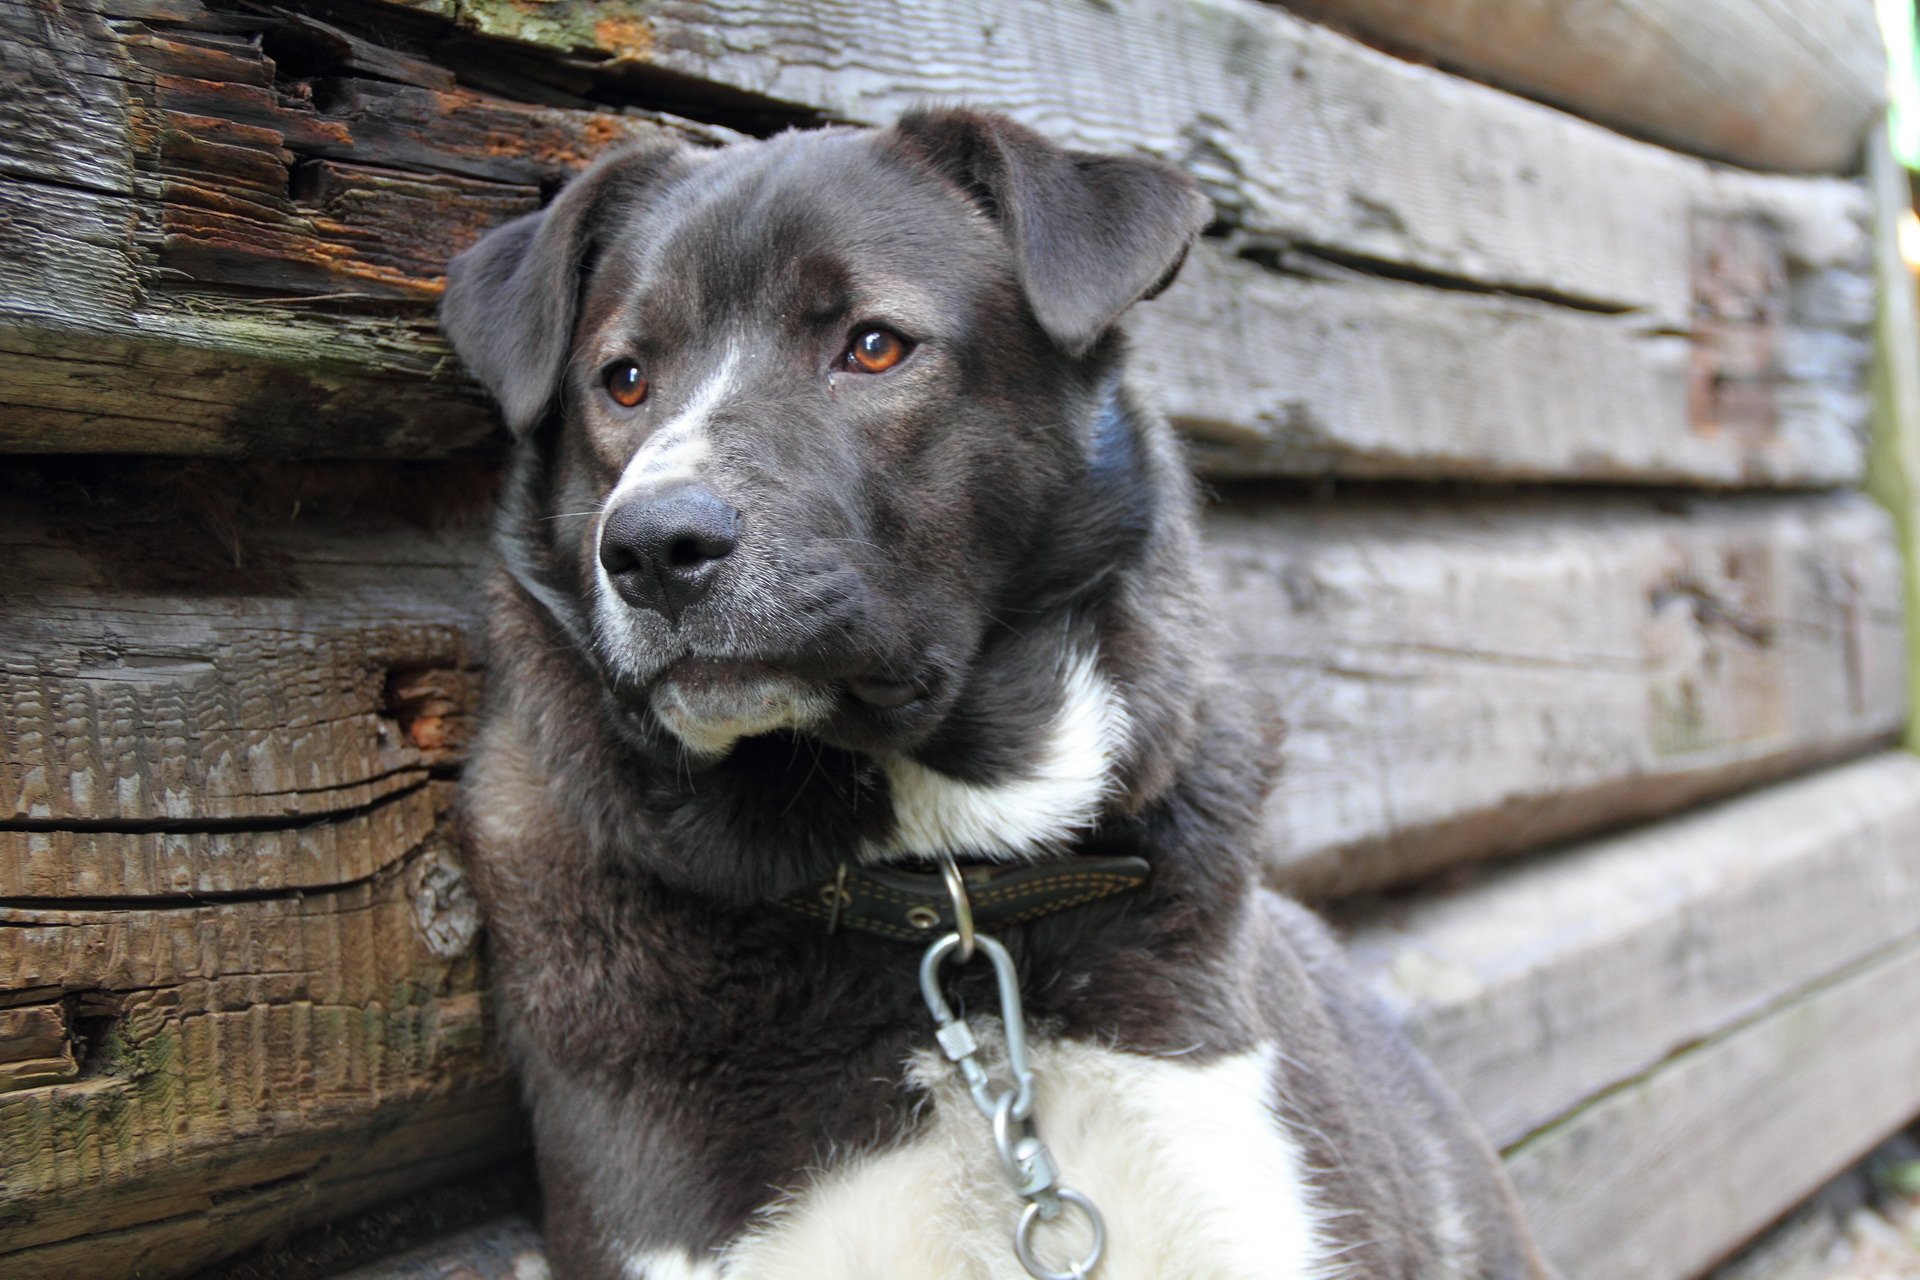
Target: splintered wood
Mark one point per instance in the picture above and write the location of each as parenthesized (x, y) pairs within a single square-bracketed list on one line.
[(240, 983), (265, 200)]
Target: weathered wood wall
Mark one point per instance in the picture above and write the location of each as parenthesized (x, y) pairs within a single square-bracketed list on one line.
[(240, 984), (240, 980), (264, 201), (1780, 84)]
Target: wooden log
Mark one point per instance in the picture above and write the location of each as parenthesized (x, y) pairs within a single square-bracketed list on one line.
[(1460, 683), (1300, 134), (207, 254), (1729, 1135), (135, 705), (230, 245), (1553, 981), (1339, 372), (243, 1066), (1791, 85)]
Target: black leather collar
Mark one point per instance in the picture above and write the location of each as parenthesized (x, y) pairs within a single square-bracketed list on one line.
[(914, 906)]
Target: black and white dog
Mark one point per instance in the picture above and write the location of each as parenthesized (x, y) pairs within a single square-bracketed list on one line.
[(835, 543)]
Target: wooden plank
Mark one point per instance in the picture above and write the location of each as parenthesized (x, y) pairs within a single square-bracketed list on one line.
[(1726, 1136), (239, 244), (1893, 468), (1465, 681), (1300, 134), (1787, 85), (1459, 682), (1550, 982), (134, 702), (1339, 372), (244, 1065), (209, 254)]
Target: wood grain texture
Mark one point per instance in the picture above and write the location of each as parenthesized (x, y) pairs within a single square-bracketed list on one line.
[(1782, 84), (230, 237), (1730, 1134), (1552, 981), (216, 249), (1461, 682), (1319, 370), (149, 686), (244, 1066), (1298, 133), (1458, 682)]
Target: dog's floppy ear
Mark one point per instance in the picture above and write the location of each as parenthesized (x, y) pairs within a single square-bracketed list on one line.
[(512, 298), (1091, 234)]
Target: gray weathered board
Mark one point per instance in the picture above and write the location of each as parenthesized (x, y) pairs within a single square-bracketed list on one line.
[(1701, 1020), (1458, 681), (1300, 134), (1772, 84), (224, 231), (1463, 680)]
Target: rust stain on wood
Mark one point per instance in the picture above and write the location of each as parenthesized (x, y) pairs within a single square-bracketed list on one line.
[(628, 38)]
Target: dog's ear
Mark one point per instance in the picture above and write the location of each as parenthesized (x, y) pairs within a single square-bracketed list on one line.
[(1091, 234), (512, 298)]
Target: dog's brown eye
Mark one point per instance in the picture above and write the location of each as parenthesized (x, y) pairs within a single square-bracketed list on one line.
[(625, 384), (877, 350)]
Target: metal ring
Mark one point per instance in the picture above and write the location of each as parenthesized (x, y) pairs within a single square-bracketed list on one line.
[(1023, 1239), (962, 905)]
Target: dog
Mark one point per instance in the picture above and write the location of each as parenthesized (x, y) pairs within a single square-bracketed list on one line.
[(849, 603)]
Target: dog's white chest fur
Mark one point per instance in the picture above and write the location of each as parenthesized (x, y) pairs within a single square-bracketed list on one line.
[(1196, 1176)]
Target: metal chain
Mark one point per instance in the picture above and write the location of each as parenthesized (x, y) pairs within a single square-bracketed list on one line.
[(1024, 1157)]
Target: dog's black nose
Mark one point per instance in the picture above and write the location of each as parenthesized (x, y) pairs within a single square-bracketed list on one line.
[(661, 548)]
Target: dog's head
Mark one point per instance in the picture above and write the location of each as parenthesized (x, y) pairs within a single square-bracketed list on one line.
[(813, 416)]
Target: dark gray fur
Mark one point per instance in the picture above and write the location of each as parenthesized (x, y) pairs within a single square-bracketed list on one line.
[(688, 1052)]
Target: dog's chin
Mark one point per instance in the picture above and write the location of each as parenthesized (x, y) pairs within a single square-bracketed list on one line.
[(710, 704)]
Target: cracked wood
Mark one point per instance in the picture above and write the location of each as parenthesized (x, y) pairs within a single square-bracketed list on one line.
[(228, 231)]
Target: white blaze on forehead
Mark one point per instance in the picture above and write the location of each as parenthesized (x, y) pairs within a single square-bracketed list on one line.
[(674, 452), (677, 449), (1059, 795)]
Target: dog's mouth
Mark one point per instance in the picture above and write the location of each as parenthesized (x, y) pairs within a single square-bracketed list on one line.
[(712, 703)]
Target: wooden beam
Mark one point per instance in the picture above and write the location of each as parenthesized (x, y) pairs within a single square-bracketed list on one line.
[(1300, 134), (136, 704), (1293, 366), (1791, 85), (243, 1066), (232, 247), (1552, 981), (1731, 1134), (1461, 682)]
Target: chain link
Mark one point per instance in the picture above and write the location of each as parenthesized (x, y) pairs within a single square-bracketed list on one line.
[(1024, 1158)]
